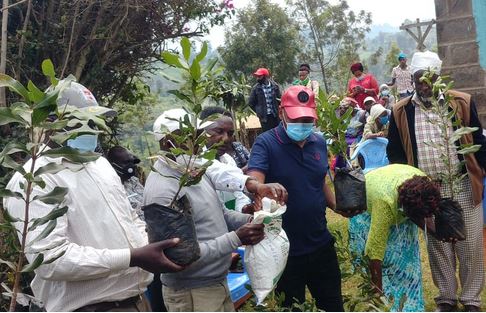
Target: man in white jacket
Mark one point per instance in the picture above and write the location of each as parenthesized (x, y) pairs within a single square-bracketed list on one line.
[(105, 252)]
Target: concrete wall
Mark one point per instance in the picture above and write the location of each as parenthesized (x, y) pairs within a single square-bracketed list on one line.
[(461, 37)]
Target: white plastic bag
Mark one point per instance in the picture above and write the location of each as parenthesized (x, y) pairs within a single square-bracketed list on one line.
[(265, 261)]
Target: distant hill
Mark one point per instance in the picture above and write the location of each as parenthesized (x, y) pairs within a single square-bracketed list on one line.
[(384, 28), (383, 36)]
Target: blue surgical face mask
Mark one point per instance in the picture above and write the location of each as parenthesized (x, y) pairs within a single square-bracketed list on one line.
[(299, 131), (384, 120), (84, 143)]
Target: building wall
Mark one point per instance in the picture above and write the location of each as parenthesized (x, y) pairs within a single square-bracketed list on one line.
[(461, 38)]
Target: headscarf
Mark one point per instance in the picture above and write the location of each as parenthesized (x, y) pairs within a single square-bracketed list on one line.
[(401, 55), (375, 112), (356, 67), (426, 60)]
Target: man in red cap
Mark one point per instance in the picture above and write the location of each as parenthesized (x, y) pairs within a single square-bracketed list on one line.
[(294, 156), (265, 99)]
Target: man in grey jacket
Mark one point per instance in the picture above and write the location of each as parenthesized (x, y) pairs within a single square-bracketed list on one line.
[(202, 286)]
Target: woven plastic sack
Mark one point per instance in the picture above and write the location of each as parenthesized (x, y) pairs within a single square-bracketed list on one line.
[(266, 261)]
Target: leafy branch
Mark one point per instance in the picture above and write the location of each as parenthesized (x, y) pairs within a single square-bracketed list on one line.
[(441, 115), (46, 125), (189, 156)]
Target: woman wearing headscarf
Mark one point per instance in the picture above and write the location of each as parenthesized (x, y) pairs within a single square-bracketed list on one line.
[(399, 197), (362, 85), (354, 130), (385, 97), (376, 123)]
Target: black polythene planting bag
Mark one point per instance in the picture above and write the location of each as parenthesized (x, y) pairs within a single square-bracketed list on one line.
[(166, 223), (449, 220), (350, 190)]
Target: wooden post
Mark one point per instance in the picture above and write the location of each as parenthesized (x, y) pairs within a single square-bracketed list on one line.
[(419, 37)]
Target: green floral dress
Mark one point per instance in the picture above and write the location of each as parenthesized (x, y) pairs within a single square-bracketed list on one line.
[(384, 233)]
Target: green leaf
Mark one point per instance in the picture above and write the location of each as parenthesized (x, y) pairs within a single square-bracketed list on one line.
[(171, 59), (209, 154), (55, 213), (180, 95), (53, 197), (7, 117), (44, 108), (46, 231), (71, 154), (458, 133), (55, 257), (8, 162), (11, 265), (50, 168), (56, 125), (6, 193), (35, 95), (186, 48), (48, 68), (195, 70), (13, 147), (13, 85), (35, 264), (62, 137), (9, 218), (201, 55), (470, 149)]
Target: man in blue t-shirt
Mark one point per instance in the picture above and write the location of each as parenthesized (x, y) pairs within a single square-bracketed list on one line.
[(292, 155)]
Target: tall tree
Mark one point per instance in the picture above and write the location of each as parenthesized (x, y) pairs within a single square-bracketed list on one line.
[(332, 32), (104, 43), (263, 36)]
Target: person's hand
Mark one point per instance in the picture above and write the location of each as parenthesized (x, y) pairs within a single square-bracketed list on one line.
[(250, 234), (380, 134), (152, 258), (248, 208), (273, 191)]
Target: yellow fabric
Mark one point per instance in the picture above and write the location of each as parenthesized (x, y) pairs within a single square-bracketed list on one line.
[(382, 195)]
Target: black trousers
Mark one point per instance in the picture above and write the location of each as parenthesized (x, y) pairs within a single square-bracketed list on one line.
[(271, 122), (320, 272)]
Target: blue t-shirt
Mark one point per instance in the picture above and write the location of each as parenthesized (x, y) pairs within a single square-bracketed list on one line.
[(301, 171)]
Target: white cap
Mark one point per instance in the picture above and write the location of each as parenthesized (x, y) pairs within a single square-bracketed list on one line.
[(426, 60), (169, 120), (81, 97), (369, 99)]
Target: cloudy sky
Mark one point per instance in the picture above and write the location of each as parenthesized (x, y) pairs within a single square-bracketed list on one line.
[(392, 12)]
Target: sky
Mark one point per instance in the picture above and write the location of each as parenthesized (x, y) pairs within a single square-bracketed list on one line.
[(392, 12)]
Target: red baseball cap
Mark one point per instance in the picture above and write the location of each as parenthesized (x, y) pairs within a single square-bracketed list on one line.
[(261, 72), (299, 101)]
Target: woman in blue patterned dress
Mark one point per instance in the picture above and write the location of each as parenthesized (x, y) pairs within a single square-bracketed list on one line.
[(396, 195)]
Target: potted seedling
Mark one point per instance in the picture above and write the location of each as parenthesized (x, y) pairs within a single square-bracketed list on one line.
[(349, 182), (188, 157), (449, 220)]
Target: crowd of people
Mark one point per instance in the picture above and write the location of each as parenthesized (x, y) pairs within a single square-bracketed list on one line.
[(107, 262)]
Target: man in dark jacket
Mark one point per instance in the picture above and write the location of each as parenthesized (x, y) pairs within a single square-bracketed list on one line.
[(265, 99), (409, 134)]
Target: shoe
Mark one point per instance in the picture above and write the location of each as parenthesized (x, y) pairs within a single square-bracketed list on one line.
[(446, 307), (471, 308)]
